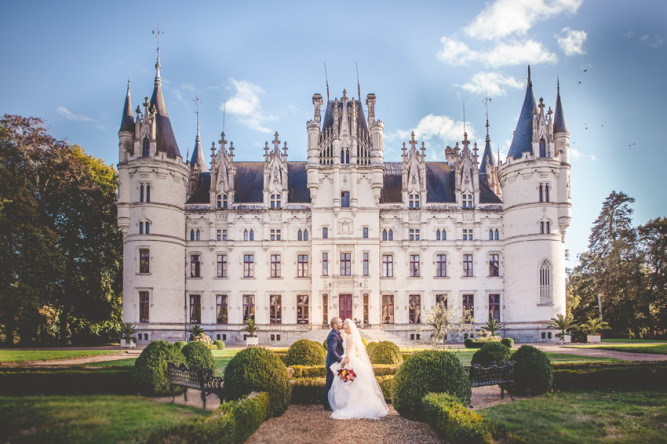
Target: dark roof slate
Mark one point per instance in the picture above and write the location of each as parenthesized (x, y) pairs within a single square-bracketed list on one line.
[(488, 154), (166, 142), (559, 117), (201, 195), (329, 114), (522, 141), (297, 181), (127, 121)]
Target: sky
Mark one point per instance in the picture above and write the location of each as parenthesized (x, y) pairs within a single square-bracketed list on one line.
[(68, 63)]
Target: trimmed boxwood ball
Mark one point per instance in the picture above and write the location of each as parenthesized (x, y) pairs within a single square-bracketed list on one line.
[(198, 353), (258, 370), (180, 344), (324, 344), (150, 368), (386, 352), (533, 373), (491, 352), (370, 347), (430, 371), (219, 345), (508, 342), (305, 352)]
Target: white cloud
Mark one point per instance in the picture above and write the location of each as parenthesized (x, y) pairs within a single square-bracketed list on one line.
[(432, 127), (73, 117), (652, 41), (576, 154), (572, 41), (502, 54), (506, 17), (246, 105), (493, 83)]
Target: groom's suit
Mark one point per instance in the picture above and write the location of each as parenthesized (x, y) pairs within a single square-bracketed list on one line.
[(334, 354)]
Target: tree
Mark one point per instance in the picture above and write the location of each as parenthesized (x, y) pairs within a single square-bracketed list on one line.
[(443, 322), (594, 325), (653, 245), (492, 326), (563, 323)]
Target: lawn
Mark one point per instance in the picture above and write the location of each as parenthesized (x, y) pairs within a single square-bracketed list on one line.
[(465, 356), (584, 417), (653, 348), (19, 355), (75, 419), (634, 341), (222, 358)]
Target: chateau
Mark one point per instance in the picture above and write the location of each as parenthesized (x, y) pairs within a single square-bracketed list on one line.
[(343, 233)]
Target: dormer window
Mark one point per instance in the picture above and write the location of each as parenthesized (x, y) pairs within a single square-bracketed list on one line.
[(467, 201), (543, 148), (414, 200), (221, 201), (414, 234), (467, 234), (276, 200), (275, 235), (146, 148)]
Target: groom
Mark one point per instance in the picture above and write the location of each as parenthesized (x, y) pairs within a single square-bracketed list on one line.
[(334, 354)]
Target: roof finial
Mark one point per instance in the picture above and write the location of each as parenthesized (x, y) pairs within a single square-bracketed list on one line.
[(557, 85), (157, 32), (326, 79), (224, 115), (358, 84), (530, 84), (486, 102), (464, 118), (197, 101)]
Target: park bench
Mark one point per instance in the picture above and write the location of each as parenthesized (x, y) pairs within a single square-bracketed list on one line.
[(501, 375), (197, 378)]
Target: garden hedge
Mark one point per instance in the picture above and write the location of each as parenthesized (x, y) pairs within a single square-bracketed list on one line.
[(453, 422), (386, 352), (386, 384), (305, 352), (258, 370), (219, 345), (491, 352), (68, 381), (370, 347), (311, 390), (533, 373), (150, 368), (319, 371), (610, 376), (198, 353), (180, 344), (425, 372), (507, 342)]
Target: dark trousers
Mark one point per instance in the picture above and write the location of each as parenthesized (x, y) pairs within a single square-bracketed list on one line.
[(327, 387)]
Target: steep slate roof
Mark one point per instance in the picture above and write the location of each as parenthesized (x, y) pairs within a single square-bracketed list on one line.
[(127, 121), (201, 195), (297, 181), (391, 189), (249, 182), (559, 117), (440, 182), (329, 114), (488, 154), (523, 135), (198, 155), (166, 142)]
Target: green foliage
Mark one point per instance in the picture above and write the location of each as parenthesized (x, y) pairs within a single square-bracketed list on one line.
[(324, 344), (533, 374), (66, 381), (370, 347), (305, 352), (491, 352), (307, 390), (425, 372), (150, 368), (320, 371), (127, 331), (453, 422), (593, 326), (387, 385), (507, 342), (611, 376), (198, 353), (219, 345), (386, 352), (180, 344), (471, 343), (250, 327), (258, 370), (364, 341), (492, 326), (563, 323)]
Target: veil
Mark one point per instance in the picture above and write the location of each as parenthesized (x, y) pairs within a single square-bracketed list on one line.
[(362, 355)]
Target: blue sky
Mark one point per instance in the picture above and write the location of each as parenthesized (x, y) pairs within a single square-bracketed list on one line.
[(68, 63)]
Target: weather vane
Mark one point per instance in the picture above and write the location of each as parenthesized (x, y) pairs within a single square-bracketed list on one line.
[(486, 102), (157, 32), (197, 101)]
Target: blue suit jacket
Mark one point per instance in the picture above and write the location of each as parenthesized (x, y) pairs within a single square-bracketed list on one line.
[(334, 348)]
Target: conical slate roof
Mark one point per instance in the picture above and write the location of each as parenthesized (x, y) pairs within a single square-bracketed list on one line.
[(166, 142), (127, 121), (559, 117), (488, 154), (523, 135), (198, 155)]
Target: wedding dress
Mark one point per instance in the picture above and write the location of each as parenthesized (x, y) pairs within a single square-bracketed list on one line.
[(361, 398)]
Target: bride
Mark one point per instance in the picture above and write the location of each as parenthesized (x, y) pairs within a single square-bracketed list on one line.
[(362, 397)]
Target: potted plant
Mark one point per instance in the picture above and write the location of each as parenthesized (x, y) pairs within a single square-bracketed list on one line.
[(127, 338), (593, 326), (195, 331), (491, 327), (564, 324), (251, 329)]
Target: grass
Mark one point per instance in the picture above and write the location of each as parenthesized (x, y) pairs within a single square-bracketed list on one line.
[(660, 349), (634, 341), (19, 355), (584, 417), (74, 419), (465, 356), (221, 357)]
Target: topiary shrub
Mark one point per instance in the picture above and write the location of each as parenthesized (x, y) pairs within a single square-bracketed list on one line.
[(180, 344), (370, 347), (453, 422), (507, 342), (150, 368), (491, 352), (425, 372), (219, 345), (198, 353), (386, 352), (324, 344), (258, 370), (305, 352), (471, 343), (533, 373)]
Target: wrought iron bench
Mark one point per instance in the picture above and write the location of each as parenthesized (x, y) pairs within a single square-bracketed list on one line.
[(195, 378), (501, 375)]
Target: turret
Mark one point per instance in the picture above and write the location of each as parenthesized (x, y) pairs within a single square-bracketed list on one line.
[(561, 134), (126, 131)]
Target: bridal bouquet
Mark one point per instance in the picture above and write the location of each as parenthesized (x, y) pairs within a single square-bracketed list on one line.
[(346, 374)]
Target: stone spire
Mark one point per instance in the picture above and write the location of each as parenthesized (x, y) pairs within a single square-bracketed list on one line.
[(127, 121), (198, 152), (523, 134), (559, 117)]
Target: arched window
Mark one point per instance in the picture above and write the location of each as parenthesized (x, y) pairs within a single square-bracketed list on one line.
[(245, 235), (146, 148), (391, 235), (545, 283), (305, 235), (543, 148), (384, 235), (252, 235), (444, 235), (497, 236), (148, 227), (192, 235), (299, 235), (490, 234), (198, 235), (437, 234), (141, 228)]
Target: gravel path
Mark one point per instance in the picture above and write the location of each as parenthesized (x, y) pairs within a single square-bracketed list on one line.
[(75, 361)]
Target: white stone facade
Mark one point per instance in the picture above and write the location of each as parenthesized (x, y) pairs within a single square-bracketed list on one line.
[(320, 232)]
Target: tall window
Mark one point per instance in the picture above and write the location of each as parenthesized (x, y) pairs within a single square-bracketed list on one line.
[(414, 201), (192, 235), (302, 309), (248, 307), (545, 227), (387, 308), (467, 234), (144, 261), (195, 309), (366, 309), (146, 148), (494, 307), (546, 193), (345, 199), (299, 235), (467, 201), (414, 265), (391, 235), (541, 192), (325, 264), (437, 234), (467, 265), (364, 231), (198, 235), (218, 201), (221, 309), (276, 313), (414, 234), (441, 265), (384, 235), (325, 232), (141, 228), (365, 264), (245, 235), (141, 192), (275, 235), (218, 235), (444, 235), (148, 227), (305, 235), (275, 265), (469, 306), (345, 264), (224, 201), (248, 265), (325, 309), (543, 148), (545, 283), (222, 266), (143, 306), (496, 235), (415, 309), (276, 200), (441, 299), (302, 265), (252, 235), (387, 265), (224, 235), (494, 265), (195, 266), (490, 234)]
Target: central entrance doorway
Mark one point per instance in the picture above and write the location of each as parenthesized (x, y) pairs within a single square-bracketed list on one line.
[(345, 306)]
